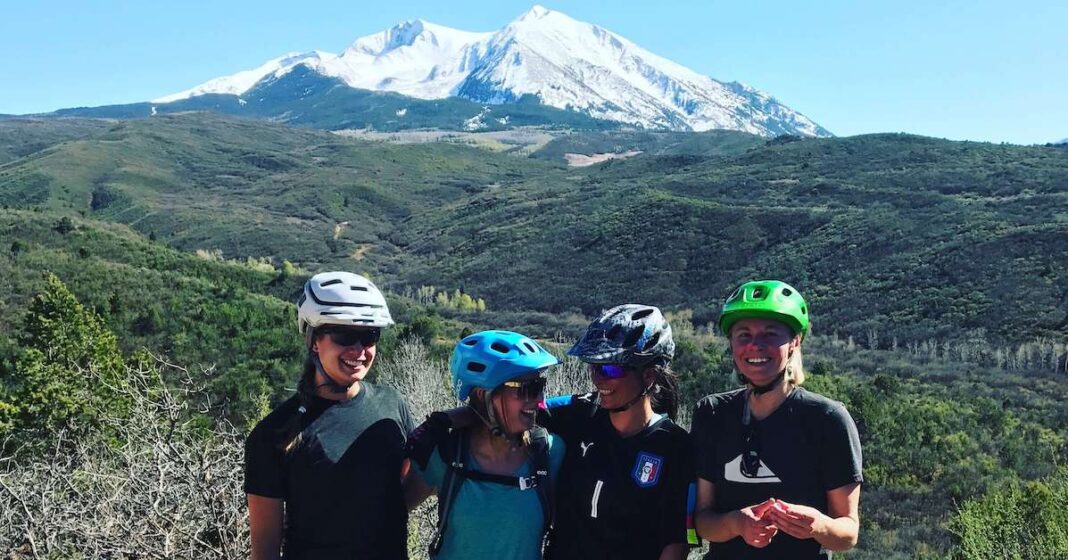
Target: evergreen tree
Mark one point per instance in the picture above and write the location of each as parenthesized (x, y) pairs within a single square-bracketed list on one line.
[(69, 371)]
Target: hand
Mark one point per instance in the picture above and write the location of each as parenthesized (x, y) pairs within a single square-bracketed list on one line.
[(801, 522), (754, 526)]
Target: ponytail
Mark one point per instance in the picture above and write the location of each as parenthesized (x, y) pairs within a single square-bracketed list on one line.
[(665, 392), (292, 431)]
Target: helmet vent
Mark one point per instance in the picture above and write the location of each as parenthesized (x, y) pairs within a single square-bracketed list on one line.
[(358, 288), (804, 310), (497, 346), (476, 367), (651, 342), (641, 314), (530, 347), (758, 293), (787, 292), (632, 338), (330, 313), (613, 332), (303, 298), (470, 342), (734, 295), (330, 282)]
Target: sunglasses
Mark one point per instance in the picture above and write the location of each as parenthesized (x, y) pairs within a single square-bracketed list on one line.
[(611, 371), (529, 389), (352, 337)]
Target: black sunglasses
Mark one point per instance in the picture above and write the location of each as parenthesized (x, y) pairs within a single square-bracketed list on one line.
[(529, 389), (352, 337)]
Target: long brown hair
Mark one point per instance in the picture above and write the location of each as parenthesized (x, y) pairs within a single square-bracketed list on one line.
[(293, 430), (665, 391)]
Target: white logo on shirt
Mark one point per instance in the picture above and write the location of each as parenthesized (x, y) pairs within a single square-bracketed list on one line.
[(586, 446), (732, 471)]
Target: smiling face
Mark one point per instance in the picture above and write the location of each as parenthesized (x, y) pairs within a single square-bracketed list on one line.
[(616, 392), (761, 348), (516, 409), (345, 364)]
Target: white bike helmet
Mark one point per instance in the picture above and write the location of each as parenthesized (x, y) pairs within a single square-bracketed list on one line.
[(341, 298)]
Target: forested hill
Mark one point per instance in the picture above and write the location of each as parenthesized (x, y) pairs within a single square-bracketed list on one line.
[(190, 236), (907, 236)]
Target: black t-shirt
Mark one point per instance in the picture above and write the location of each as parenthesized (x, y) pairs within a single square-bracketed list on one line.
[(619, 498), (341, 485), (807, 446)]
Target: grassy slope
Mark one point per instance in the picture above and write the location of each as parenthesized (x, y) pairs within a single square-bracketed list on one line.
[(907, 235)]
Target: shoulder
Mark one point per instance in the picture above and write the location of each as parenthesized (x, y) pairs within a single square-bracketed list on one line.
[(567, 403), (819, 405), (383, 393), (715, 404), (388, 401), (267, 427), (566, 407), (672, 437), (557, 449), (718, 401)]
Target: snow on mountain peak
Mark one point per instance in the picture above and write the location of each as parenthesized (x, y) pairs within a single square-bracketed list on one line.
[(537, 11), (564, 62)]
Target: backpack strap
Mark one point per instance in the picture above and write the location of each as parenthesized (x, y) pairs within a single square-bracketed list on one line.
[(539, 451), (454, 454)]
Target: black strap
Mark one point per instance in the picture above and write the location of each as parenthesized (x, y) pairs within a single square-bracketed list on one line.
[(454, 453), (539, 450)]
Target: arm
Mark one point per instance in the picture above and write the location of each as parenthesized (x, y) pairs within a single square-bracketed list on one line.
[(750, 523), (416, 490), (265, 527), (677, 551), (837, 530)]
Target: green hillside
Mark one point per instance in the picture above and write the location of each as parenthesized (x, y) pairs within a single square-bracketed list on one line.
[(906, 236), (939, 427), (22, 137)]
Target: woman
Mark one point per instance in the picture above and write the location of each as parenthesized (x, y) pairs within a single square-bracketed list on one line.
[(625, 483), (327, 464), (778, 467), (493, 479)]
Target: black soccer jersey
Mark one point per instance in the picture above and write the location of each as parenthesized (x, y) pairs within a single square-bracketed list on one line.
[(619, 498), (807, 446), (341, 486)]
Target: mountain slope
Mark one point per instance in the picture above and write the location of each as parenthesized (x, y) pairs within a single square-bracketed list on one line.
[(910, 236), (562, 62), (300, 96)]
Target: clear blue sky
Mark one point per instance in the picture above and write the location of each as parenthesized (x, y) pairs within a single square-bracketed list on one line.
[(976, 70)]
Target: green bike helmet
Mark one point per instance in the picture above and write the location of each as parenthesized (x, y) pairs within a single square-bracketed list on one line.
[(766, 299)]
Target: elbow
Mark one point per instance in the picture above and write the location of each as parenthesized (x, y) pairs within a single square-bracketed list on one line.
[(843, 545), (845, 541)]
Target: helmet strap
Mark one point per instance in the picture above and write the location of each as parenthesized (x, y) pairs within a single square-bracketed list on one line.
[(784, 374), (761, 389), (329, 383), (633, 401), (492, 422)]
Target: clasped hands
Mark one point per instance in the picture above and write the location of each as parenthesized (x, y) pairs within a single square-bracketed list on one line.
[(759, 523)]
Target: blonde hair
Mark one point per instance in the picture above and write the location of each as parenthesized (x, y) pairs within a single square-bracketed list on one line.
[(795, 368)]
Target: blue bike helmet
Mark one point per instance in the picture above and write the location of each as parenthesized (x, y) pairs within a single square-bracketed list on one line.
[(488, 358)]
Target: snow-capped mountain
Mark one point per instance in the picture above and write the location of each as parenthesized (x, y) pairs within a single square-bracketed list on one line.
[(565, 63)]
